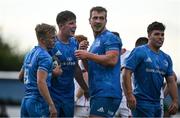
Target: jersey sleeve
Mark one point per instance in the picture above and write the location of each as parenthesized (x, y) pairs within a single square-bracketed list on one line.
[(170, 67), (44, 62), (113, 43), (135, 58)]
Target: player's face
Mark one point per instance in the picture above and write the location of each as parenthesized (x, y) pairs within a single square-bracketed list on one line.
[(50, 41), (69, 28), (97, 21), (156, 38)]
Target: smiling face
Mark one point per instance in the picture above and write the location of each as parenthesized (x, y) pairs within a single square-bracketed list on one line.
[(156, 38), (97, 21), (69, 28)]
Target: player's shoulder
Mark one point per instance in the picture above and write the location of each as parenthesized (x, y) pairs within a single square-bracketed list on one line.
[(42, 53), (140, 49), (165, 55), (110, 38), (72, 39), (109, 34)]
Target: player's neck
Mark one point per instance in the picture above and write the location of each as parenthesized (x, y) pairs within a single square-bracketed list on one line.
[(42, 46), (63, 38), (97, 33), (153, 48)]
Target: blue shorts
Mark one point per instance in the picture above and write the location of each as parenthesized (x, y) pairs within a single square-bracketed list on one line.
[(104, 106), (31, 107), (65, 109), (147, 109)]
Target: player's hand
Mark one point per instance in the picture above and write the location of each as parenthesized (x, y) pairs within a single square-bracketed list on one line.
[(81, 54), (53, 111), (83, 45), (57, 71), (173, 108), (131, 101)]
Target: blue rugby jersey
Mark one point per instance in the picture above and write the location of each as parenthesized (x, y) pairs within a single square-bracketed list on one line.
[(149, 69), (37, 58), (63, 86), (104, 81)]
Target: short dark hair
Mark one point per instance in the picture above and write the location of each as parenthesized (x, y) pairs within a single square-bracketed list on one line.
[(65, 16), (43, 30), (141, 41), (155, 26), (98, 9)]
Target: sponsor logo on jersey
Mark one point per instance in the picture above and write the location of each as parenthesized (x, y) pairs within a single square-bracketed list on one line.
[(165, 63), (155, 71)]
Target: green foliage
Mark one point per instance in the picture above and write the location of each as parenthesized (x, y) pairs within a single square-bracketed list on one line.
[(8, 60)]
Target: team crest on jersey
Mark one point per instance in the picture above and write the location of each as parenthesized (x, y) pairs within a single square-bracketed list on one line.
[(58, 53), (69, 59), (148, 60), (97, 43), (157, 67), (165, 63)]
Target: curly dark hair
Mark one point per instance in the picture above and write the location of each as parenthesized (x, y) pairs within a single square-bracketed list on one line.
[(80, 38), (155, 26), (141, 41)]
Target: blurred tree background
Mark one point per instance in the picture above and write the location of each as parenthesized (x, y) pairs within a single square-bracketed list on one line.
[(9, 61)]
